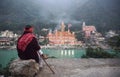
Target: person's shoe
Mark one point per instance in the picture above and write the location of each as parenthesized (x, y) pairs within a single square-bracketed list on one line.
[(44, 56)]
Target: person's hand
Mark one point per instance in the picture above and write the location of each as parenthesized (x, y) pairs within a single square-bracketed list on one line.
[(44, 56)]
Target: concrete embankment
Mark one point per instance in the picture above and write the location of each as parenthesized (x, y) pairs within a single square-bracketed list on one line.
[(82, 68)]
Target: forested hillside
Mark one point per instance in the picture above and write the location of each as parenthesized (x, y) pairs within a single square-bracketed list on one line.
[(104, 14)]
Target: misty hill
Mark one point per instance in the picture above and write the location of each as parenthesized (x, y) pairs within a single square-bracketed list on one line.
[(104, 14)]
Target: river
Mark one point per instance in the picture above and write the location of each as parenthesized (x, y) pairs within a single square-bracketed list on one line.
[(7, 55)]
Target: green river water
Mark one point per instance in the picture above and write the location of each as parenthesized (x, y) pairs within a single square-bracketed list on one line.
[(7, 55)]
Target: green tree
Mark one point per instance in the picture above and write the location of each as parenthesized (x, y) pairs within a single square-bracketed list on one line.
[(97, 53), (114, 42)]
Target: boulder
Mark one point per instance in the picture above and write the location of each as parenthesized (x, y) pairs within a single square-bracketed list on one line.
[(23, 68)]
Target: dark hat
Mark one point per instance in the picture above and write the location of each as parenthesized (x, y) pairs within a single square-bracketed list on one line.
[(28, 27)]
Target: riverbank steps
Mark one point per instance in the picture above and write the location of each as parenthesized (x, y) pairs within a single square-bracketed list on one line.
[(81, 68)]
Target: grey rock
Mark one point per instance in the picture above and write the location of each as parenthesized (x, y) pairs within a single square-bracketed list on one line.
[(23, 68)]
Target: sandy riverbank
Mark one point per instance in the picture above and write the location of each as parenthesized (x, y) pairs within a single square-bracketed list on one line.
[(82, 68)]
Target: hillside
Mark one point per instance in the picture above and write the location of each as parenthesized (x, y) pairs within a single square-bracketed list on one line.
[(104, 14)]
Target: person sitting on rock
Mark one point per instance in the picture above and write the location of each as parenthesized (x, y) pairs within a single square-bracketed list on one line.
[(28, 47)]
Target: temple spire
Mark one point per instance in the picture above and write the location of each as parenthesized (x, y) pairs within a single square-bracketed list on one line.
[(83, 24), (62, 26)]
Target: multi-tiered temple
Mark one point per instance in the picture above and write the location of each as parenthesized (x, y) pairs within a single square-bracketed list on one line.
[(62, 37)]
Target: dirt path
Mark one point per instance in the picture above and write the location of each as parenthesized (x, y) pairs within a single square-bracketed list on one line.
[(82, 68)]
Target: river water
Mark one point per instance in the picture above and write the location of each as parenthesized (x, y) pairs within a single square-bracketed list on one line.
[(7, 55)]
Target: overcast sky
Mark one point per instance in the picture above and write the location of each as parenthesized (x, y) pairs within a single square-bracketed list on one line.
[(62, 10)]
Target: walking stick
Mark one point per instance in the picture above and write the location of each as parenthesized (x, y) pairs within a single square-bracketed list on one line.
[(47, 64)]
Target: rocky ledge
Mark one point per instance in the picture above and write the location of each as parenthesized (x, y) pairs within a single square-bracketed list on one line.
[(81, 68), (23, 68)]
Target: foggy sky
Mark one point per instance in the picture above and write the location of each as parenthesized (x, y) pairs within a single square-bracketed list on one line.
[(46, 10), (56, 11), (59, 10)]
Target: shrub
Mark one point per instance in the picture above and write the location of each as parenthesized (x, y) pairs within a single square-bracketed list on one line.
[(97, 53)]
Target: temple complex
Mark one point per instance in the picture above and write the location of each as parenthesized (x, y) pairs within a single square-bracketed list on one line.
[(62, 37)]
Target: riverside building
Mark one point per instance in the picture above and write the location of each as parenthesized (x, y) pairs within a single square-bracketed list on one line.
[(88, 30)]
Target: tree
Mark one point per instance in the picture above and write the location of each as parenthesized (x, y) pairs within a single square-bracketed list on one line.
[(114, 42), (97, 53)]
